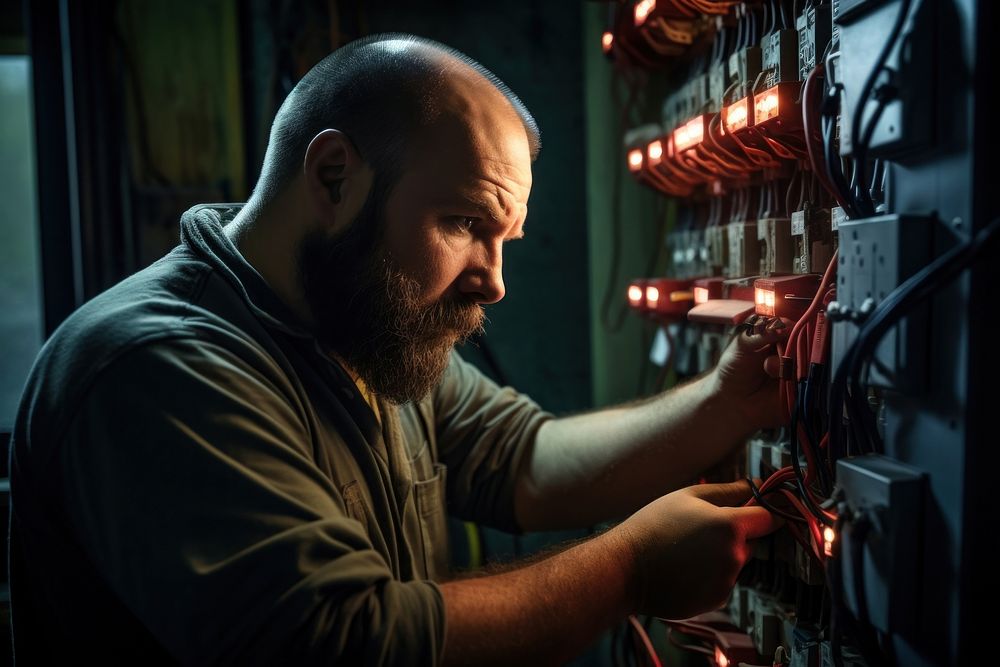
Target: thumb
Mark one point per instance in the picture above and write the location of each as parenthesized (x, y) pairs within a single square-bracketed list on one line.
[(761, 334), (755, 521), (728, 494)]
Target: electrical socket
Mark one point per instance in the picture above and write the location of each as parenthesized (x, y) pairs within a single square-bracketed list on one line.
[(905, 126), (888, 494), (876, 255)]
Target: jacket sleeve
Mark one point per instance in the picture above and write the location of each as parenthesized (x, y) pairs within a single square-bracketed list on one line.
[(484, 434), (190, 482)]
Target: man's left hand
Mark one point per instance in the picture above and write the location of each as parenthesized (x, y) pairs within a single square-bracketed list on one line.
[(746, 375)]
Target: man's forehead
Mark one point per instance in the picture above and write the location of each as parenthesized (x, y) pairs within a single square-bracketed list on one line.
[(473, 162)]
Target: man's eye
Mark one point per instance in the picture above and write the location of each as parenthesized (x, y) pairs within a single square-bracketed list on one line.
[(464, 223)]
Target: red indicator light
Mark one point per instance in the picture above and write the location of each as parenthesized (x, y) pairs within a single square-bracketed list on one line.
[(737, 115), (766, 105), (689, 134), (607, 40), (643, 9), (634, 159)]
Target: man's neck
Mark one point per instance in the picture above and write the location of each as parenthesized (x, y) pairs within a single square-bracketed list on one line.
[(268, 241)]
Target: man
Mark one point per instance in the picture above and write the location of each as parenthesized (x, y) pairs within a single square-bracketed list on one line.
[(243, 453)]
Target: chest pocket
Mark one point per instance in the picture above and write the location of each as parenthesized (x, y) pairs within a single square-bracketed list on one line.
[(428, 496), (429, 484)]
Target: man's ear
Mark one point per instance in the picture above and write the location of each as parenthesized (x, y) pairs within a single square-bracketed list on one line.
[(336, 179)]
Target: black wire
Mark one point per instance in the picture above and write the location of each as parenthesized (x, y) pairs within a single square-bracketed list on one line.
[(860, 524), (878, 175), (834, 583), (810, 422), (860, 147), (759, 497), (829, 109), (895, 306), (800, 481)]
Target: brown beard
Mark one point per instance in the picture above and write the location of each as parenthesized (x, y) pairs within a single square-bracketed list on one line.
[(368, 311)]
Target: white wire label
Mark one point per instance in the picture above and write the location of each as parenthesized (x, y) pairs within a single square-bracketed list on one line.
[(837, 216), (798, 223)]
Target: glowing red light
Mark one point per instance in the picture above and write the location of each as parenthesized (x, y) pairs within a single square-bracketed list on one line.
[(766, 105), (643, 9), (689, 134), (736, 116), (607, 40), (635, 159)]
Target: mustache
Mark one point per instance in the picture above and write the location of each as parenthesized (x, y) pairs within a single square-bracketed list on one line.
[(455, 315)]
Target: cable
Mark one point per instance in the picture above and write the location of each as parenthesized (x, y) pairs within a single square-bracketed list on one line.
[(895, 306), (800, 478), (860, 143), (646, 641), (693, 648), (759, 497)]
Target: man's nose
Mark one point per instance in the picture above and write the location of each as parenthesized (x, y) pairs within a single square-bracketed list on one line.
[(483, 279)]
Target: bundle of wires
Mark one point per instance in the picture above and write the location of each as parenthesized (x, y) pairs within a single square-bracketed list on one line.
[(783, 485), (862, 138), (846, 393), (802, 363), (631, 644)]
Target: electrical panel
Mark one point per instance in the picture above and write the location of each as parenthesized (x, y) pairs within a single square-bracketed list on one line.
[(823, 169)]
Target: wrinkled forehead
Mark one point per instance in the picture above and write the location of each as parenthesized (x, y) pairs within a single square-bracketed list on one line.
[(474, 134)]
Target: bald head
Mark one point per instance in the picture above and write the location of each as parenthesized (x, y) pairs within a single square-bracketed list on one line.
[(386, 93)]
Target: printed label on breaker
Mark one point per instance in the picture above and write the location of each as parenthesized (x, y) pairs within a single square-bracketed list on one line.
[(798, 223), (837, 216)]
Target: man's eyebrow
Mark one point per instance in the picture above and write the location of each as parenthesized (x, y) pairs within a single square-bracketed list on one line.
[(492, 208)]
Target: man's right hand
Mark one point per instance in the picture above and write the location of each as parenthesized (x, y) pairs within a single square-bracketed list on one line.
[(676, 557), (689, 546)]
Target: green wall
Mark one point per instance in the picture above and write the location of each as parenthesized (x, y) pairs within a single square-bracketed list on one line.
[(616, 357)]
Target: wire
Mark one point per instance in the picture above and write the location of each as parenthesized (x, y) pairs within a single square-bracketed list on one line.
[(646, 641), (860, 147), (895, 306), (829, 110), (759, 497), (693, 648), (810, 120)]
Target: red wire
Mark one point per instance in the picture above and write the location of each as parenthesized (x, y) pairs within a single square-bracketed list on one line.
[(647, 642), (802, 350), (811, 521), (813, 306)]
